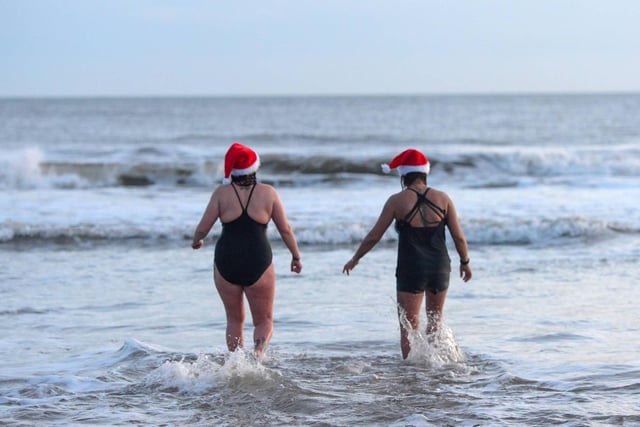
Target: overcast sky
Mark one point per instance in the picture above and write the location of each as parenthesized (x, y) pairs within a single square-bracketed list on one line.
[(264, 47)]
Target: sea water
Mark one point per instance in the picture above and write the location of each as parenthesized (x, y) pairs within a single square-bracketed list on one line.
[(108, 317)]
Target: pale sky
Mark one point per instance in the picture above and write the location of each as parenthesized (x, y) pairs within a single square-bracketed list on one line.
[(324, 47)]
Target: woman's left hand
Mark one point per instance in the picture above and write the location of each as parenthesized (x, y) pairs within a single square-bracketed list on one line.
[(465, 272), (296, 266)]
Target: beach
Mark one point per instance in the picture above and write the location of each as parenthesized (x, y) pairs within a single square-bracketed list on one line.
[(110, 318)]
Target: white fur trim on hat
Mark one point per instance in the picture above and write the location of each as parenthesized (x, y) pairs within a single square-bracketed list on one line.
[(403, 170)]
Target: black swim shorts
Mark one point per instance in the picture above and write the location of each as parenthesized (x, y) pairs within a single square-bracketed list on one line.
[(432, 282)]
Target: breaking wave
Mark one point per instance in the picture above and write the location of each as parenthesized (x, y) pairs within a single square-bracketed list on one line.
[(31, 168), (561, 230)]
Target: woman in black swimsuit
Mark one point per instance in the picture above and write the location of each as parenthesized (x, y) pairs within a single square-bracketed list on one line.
[(421, 214), (242, 262)]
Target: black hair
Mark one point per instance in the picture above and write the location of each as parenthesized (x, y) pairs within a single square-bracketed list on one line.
[(244, 180), (412, 177)]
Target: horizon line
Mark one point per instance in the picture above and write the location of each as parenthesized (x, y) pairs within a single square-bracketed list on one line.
[(329, 95)]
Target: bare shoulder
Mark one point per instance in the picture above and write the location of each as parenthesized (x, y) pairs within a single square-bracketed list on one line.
[(221, 190), (264, 186), (400, 195), (265, 193), (265, 189), (438, 195), (395, 204), (396, 198)]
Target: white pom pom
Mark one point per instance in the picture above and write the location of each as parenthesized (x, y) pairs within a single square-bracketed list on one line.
[(385, 168), (226, 180)]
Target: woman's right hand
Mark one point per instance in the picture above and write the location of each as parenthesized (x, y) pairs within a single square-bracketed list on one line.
[(197, 244)]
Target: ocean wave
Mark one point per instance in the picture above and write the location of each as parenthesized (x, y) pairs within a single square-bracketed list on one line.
[(525, 232), (541, 231), (147, 166), (77, 234), (30, 171), (23, 311)]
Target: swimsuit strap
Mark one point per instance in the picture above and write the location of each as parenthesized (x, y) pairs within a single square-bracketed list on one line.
[(253, 187), (437, 209), (422, 197), (244, 208), (416, 206)]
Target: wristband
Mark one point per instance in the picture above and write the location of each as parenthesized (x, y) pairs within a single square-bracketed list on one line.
[(465, 262)]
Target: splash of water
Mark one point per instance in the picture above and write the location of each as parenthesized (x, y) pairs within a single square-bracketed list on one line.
[(21, 169), (433, 349), (415, 420), (239, 369)]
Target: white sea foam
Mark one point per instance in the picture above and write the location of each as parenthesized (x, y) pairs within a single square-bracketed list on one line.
[(414, 420), (21, 169), (54, 223), (239, 368), (189, 377), (69, 384)]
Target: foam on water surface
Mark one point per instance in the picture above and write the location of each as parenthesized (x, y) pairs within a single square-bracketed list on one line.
[(239, 369)]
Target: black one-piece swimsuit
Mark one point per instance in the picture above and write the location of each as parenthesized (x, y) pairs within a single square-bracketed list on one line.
[(243, 252)]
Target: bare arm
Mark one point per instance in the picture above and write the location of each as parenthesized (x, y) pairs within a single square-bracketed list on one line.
[(373, 237), (459, 240), (279, 218), (209, 217)]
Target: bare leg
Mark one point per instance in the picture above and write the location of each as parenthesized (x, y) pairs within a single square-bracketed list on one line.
[(232, 298), (435, 307), (261, 295), (408, 305)]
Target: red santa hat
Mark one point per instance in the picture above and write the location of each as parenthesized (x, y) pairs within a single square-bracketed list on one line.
[(408, 161), (239, 160)]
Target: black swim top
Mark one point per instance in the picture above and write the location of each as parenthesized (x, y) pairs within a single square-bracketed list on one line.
[(422, 250), (243, 252)]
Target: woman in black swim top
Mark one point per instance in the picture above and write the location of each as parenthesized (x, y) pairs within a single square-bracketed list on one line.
[(421, 214), (242, 262)]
